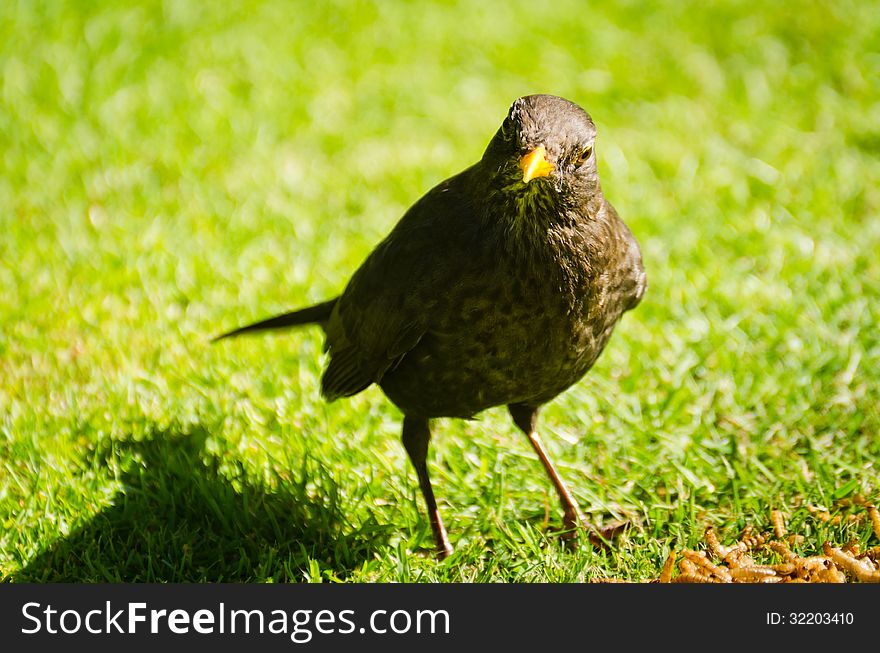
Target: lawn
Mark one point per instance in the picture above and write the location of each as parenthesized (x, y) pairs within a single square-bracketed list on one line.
[(171, 170)]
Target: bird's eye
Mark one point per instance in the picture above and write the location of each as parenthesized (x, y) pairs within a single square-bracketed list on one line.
[(585, 154)]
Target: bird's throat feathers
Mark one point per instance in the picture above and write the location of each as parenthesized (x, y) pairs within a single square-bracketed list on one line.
[(525, 217)]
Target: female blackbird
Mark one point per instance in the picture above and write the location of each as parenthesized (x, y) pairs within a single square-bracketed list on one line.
[(500, 286)]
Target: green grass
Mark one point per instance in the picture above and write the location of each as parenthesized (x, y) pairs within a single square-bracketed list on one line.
[(170, 170)]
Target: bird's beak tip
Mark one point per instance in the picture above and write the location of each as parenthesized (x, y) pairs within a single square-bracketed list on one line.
[(535, 164)]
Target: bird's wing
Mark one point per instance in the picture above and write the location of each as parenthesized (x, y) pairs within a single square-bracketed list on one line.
[(631, 260), (388, 305)]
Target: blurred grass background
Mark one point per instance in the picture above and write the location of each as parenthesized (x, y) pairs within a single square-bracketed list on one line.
[(172, 169)]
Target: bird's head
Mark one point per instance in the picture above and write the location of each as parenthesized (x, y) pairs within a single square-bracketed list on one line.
[(543, 153)]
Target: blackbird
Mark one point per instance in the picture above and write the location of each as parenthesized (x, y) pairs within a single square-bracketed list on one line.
[(501, 286)]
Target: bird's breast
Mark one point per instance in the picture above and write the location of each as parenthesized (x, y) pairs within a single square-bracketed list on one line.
[(506, 336)]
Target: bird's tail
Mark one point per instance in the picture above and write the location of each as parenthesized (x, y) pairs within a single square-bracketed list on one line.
[(311, 315)]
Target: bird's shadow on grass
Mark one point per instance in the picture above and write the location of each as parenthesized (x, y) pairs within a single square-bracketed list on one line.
[(181, 516)]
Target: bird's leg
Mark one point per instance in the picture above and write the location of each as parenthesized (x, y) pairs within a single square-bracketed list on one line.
[(416, 435), (526, 418)]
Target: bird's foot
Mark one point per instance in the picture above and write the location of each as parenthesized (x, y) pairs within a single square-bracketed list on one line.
[(444, 551), (442, 546), (573, 522), (602, 537)]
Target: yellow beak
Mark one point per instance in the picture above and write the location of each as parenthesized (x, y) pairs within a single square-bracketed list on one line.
[(534, 164)]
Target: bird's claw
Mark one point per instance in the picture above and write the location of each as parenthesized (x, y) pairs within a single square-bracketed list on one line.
[(573, 522)]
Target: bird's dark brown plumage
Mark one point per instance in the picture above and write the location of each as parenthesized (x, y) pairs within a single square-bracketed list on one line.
[(491, 290)]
